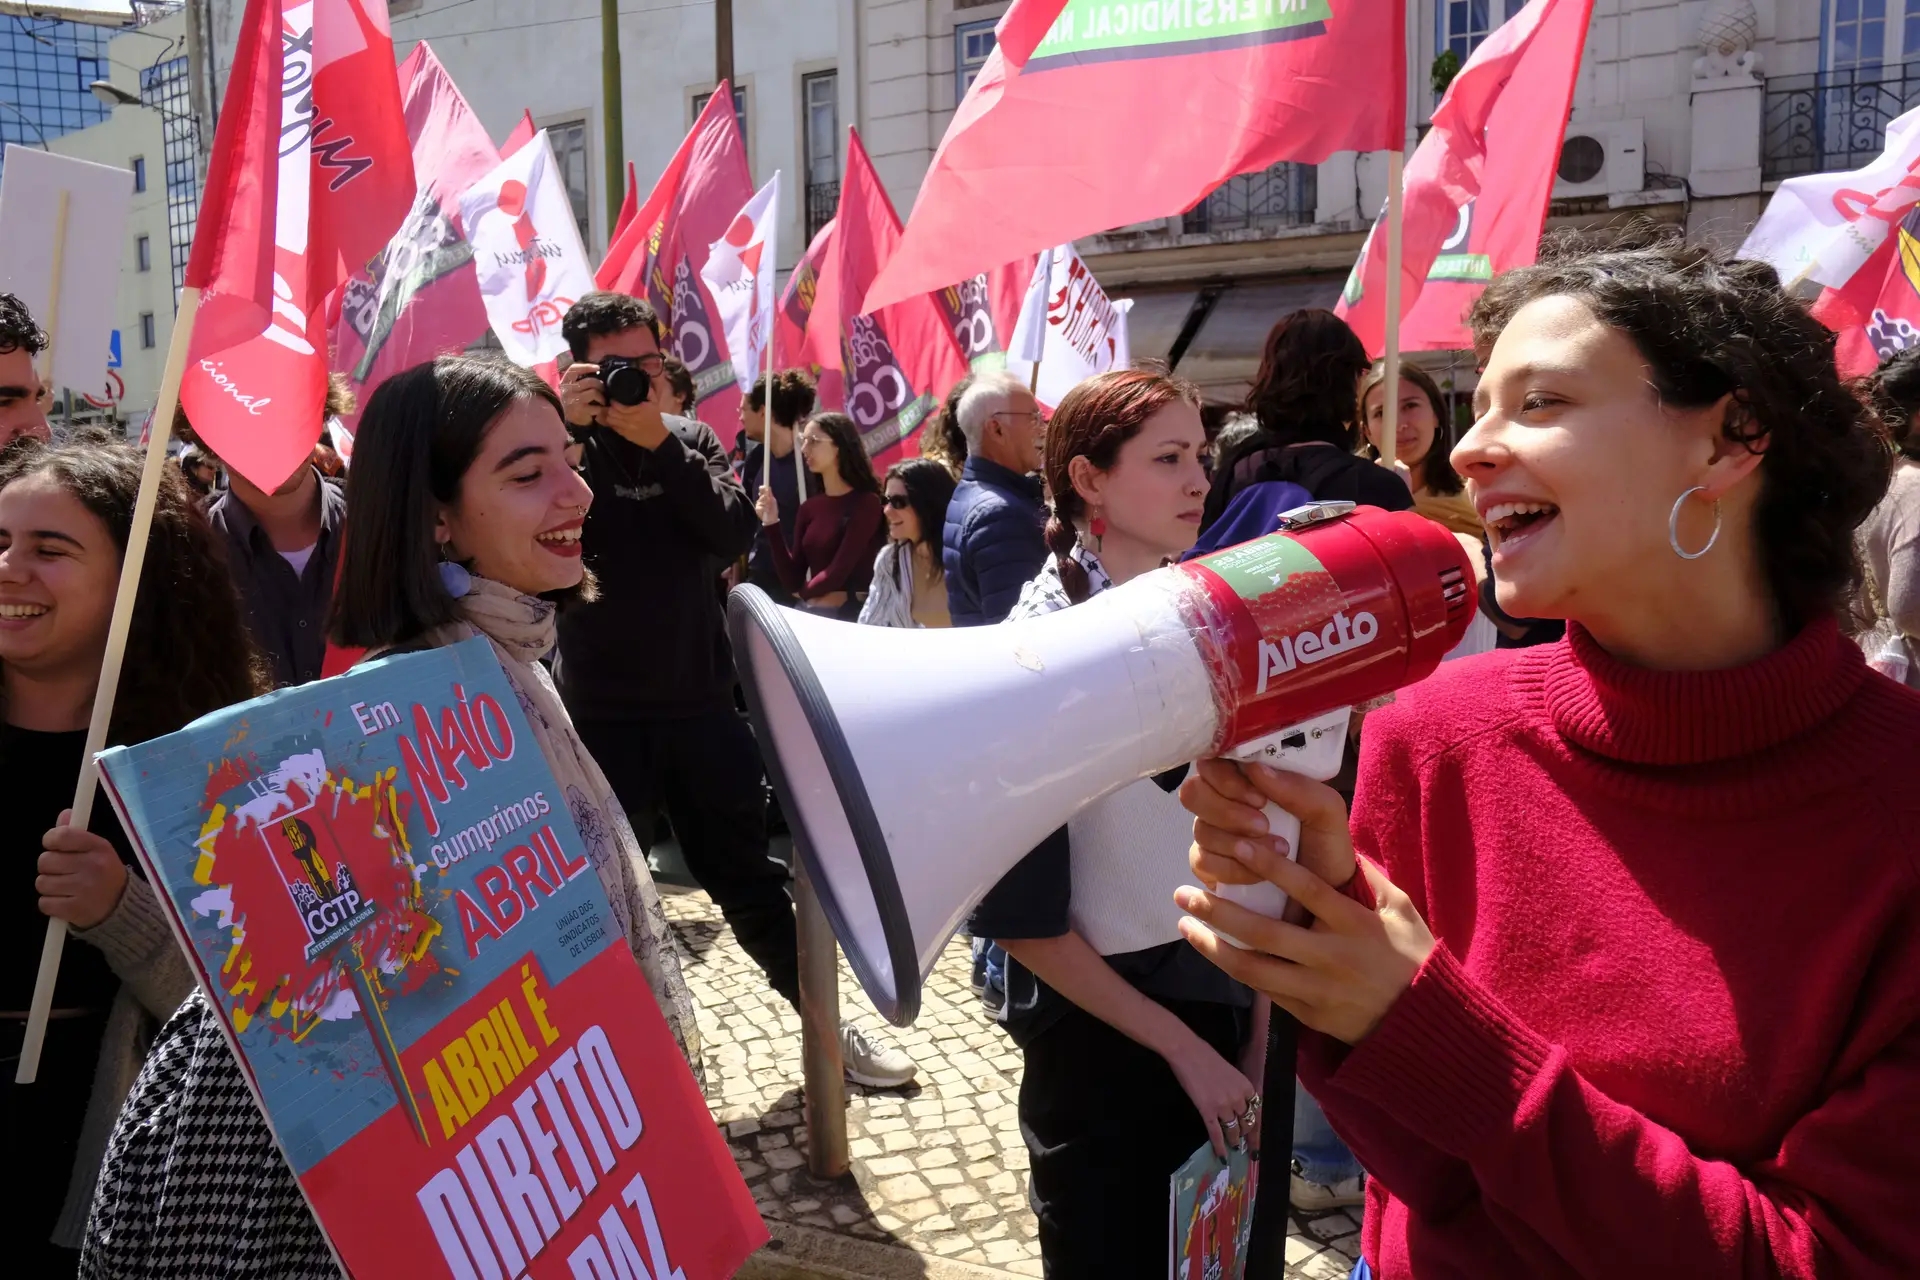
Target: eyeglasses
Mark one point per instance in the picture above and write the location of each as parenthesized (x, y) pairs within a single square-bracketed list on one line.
[(650, 365), (1020, 413), (899, 501)]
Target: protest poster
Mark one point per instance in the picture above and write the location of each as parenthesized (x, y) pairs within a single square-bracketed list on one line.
[(1070, 326), (1209, 1215), (380, 887), (55, 213)]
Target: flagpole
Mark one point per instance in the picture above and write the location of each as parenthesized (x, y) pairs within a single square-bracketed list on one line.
[(1390, 382), (123, 601), (766, 423)]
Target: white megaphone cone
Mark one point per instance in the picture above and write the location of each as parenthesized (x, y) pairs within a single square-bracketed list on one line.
[(917, 767)]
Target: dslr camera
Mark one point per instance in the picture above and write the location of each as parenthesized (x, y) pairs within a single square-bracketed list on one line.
[(624, 380)]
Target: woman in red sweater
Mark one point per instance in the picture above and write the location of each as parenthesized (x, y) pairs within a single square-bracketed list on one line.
[(836, 533), (1626, 980)]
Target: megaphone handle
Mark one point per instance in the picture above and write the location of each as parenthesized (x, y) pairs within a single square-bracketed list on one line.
[(1266, 897)]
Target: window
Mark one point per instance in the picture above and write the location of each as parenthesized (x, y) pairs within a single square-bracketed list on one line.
[(1465, 23), (820, 105), (143, 254), (146, 330), (1866, 35), (700, 101), (972, 42), (139, 173), (569, 140), (89, 69)]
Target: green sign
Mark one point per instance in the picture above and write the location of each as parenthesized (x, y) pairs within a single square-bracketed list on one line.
[(1096, 30), (1259, 568)]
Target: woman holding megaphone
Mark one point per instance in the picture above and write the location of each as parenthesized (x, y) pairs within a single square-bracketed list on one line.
[(1617, 969), (1137, 1051)]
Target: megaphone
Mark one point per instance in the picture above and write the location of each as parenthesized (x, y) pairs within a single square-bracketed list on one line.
[(917, 767)]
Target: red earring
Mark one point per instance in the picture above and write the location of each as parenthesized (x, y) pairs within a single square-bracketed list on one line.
[(1098, 528)]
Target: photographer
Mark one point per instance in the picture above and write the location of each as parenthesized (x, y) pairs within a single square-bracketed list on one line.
[(645, 669)]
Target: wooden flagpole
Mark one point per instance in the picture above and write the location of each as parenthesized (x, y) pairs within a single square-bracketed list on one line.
[(53, 294), (1390, 383), (123, 600)]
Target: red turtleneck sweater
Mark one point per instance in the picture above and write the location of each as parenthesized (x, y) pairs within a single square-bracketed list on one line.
[(1672, 1026)]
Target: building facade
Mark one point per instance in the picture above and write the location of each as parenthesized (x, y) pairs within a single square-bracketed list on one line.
[(1686, 111), (45, 68), (152, 133)]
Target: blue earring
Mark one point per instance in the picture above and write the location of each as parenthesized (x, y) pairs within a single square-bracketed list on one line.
[(453, 575)]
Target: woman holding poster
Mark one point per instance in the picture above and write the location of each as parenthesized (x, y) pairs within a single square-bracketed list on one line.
[(64, 515), (464, 519), (1616, 969)]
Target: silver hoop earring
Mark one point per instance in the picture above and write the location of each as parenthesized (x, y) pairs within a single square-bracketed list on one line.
[(1673, 526)]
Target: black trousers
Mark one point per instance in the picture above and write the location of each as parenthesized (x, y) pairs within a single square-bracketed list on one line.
[(1106, 1124), (705, 772)]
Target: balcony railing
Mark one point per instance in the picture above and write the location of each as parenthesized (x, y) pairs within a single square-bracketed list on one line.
[(1283, 196), (1833, 119), (823, 201)]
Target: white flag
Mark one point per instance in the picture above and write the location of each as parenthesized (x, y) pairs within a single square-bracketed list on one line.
[(1068, 316), (526, 252), (740, 271), (1824, 227)]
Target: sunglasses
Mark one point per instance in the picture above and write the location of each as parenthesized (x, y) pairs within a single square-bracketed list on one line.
[(899, 501)]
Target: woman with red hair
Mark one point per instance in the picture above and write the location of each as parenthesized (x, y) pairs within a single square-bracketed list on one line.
[(1137, 1050)]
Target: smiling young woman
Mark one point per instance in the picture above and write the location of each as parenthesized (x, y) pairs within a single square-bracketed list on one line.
[(64, 516), (1617, 969), (464, 519)]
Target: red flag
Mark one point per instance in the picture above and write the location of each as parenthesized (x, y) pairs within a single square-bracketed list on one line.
[(1877, 312), (659, 255), (419, 299), (1476, 190), (520, 135), (1086, 117), (884, 368), (628, 207), (311, 172), (792, 321)]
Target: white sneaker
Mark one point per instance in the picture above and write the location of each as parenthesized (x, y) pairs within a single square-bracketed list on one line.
[(1316, 1197), (873, 1062)]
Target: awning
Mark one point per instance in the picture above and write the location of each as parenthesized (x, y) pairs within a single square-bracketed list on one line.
[(1224, 353)]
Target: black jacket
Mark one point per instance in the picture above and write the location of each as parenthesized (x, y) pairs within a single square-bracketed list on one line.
[(286, 611), (664, 523)]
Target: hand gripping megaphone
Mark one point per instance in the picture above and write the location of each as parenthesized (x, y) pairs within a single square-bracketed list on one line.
[(917, 767)]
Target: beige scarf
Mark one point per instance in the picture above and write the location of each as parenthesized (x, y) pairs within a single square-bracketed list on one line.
[(522, 631)]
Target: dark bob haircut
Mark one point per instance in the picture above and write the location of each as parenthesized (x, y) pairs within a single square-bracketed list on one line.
[(421, 430), (1709, 325), (601, 313)]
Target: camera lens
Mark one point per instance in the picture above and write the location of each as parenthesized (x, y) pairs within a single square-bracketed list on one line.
[(625, 383)]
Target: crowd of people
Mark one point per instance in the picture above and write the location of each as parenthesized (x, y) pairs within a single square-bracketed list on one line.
[(1608, 949)]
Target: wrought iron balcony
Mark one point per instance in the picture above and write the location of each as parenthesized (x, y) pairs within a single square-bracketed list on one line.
[(1283, 196), (823, 201), (1833, 119)]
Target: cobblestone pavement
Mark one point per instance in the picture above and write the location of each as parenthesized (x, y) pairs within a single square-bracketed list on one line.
[(939, 1167)]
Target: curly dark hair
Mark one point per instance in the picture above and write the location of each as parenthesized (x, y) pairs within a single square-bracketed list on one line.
[(792, 396), (856, 468), (602, 312), (18, 332), (1893, 392), (941, 438), (930, 488), (190, 653), (680, 379), (1710, 325), (1093, 421)]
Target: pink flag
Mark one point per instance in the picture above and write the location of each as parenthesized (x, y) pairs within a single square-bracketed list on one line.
[(793, 332), (310, 172), (664, 248), (419, 299), (888, 367), (521, 134), (1476, 190), (1092, 115), (629, 207), (1877, 311)]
